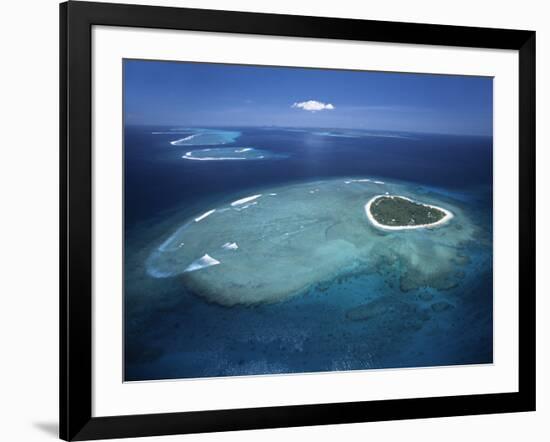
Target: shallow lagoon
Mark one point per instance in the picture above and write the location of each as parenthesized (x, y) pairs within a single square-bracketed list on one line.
[(390, 299), (288, 239)]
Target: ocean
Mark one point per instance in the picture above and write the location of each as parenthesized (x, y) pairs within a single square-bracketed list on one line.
[(382, 312)]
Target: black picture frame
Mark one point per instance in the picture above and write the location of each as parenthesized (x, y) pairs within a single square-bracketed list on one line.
[(76, 21)]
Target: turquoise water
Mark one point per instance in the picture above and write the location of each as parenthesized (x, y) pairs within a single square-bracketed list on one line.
[(302, 282), (243, 251), (204, 137)]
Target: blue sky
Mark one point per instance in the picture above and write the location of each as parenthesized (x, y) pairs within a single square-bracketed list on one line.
[(203, 94)]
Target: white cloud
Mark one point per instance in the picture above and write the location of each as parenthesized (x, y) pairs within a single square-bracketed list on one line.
[(313, 106)]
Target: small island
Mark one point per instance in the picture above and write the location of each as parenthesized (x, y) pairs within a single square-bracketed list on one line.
[(394, 212)]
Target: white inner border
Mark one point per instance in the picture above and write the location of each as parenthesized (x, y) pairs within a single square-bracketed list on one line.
[(113, 397)]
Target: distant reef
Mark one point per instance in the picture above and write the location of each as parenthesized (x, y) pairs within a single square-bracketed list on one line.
[(204, 137), (231, 154)]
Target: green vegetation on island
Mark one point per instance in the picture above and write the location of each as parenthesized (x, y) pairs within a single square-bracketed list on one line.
[(396, 211)]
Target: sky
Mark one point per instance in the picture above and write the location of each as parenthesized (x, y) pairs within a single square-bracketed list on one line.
[(208, 94)]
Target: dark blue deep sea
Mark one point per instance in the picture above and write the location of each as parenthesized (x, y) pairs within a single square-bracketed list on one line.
[(173, 333)]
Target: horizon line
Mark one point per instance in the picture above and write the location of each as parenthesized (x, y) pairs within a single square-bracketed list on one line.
[(199, 126)]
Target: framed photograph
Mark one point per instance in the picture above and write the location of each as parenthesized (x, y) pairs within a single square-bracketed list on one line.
[(273, 220)]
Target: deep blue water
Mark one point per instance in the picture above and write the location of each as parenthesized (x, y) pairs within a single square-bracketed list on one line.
[(171, 333)]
